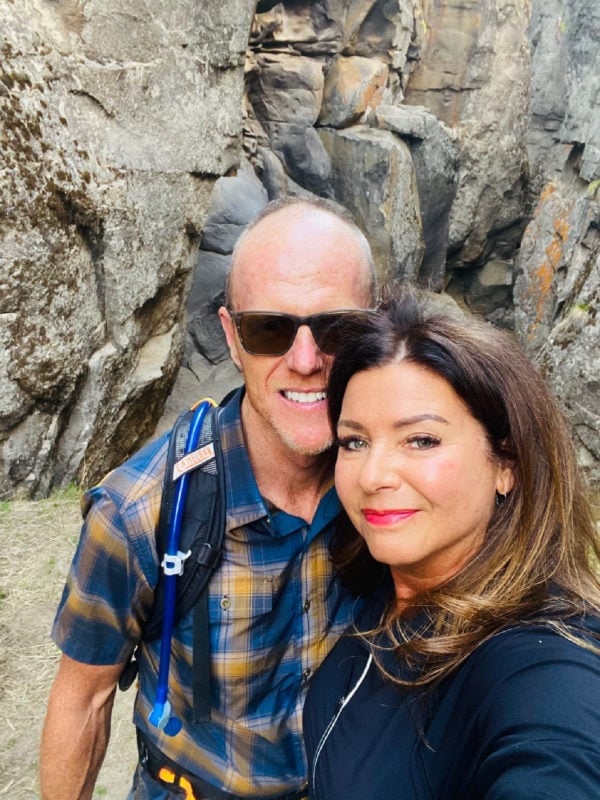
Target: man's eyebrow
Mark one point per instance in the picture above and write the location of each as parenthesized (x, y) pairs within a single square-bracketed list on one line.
[(401, 423)]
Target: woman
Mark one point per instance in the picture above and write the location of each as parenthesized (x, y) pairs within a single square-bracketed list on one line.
[(474, 670)]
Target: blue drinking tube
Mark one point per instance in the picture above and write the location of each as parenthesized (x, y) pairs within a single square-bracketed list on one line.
[(172, 565)]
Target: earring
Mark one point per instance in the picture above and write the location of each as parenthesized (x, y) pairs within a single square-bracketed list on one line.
[(500, 498)]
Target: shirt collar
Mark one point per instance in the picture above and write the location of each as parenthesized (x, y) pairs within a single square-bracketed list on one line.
[(328, 509), (244, 501)]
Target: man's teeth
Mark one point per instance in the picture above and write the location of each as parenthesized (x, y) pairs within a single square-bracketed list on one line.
[(305, 397)]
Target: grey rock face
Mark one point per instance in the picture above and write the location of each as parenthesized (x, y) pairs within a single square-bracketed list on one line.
[(137, 144), (441, 124), (372, 170), (434, 156), (557, 282), (235, 202), (557, 296), (115, 124)]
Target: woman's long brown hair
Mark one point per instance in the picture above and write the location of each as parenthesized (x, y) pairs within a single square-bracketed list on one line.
[(540, 560)]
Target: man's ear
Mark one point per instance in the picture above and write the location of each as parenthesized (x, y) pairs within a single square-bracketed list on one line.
[(230, 335)]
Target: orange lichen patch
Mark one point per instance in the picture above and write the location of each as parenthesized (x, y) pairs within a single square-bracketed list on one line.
[(548, 190), (544, 274), (562, 228)]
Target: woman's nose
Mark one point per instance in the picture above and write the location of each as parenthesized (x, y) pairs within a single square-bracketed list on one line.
[(379, 471)]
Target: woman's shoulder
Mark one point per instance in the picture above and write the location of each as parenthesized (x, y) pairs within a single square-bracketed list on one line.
[(538, 640), (524, 703), (536, 661)]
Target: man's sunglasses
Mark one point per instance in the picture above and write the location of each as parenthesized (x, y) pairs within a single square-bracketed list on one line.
[(268, 333)]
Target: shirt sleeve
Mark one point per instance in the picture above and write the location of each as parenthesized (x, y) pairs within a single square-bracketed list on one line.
[(539, 726), (107, 594)]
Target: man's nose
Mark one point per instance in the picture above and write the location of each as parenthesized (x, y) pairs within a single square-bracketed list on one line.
[(304, 355)]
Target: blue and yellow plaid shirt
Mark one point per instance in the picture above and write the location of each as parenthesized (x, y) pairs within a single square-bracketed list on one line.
[(275, 612)]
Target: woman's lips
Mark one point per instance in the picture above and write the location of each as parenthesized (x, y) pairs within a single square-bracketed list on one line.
[(389, 516)]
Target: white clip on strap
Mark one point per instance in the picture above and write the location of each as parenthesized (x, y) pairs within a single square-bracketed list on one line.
[(173, 565)]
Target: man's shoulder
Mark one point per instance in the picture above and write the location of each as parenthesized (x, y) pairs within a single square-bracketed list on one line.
[(136, 480), (142, 472), (137, 484)]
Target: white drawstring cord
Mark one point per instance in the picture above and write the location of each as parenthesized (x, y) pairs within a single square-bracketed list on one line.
[(341, 705)]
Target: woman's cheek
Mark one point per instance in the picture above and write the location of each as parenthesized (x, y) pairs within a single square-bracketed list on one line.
[(440, 477)]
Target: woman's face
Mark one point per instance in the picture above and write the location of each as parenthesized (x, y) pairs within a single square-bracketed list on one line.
[(415, 473)]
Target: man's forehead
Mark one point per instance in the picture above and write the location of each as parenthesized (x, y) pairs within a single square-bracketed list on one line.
[(301, 243)]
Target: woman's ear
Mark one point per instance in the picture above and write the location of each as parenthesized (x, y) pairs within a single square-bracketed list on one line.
[(505, 479)]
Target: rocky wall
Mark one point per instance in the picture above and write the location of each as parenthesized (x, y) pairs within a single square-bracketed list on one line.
[(464, 138), (116, 120), (557, 269), (462, 134)]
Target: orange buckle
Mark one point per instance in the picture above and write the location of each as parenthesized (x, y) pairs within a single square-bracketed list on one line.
[(168, 776)]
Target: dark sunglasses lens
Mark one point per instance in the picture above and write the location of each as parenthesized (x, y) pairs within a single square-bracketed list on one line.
[(328, 330), (267, 334)]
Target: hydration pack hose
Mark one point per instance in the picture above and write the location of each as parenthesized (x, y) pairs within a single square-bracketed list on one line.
[(172, 565)]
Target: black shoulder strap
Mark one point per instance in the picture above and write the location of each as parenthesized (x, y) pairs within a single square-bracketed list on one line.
[(202, 534), (203, 522)]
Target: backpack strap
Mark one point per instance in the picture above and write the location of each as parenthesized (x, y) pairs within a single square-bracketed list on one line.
[(201, 660), (200, 542), (203, 518), (202, 534)]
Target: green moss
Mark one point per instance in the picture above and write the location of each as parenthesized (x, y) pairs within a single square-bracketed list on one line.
[(66, 493), (593, 188)]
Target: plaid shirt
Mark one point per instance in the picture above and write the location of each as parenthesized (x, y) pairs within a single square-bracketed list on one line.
[(274, 613)]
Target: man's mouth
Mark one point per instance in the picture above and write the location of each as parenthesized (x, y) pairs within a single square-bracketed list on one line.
[(304, 397)]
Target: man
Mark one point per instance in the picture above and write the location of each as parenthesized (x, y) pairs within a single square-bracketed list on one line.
[(275, 610)]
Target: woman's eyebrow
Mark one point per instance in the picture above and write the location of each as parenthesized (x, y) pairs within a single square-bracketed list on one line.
[(401, 423)]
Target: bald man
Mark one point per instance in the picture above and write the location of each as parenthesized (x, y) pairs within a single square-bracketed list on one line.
[(275, 609)]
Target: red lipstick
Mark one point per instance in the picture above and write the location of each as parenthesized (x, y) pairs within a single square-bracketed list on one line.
[(387, 516)]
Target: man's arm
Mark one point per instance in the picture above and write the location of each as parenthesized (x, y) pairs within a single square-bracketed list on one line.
[(77, 729)]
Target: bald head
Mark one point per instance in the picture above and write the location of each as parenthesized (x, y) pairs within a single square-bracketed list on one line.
[(298, 237)]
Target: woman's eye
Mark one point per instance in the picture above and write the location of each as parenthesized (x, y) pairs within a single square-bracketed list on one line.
[(423, 441), (351, 443)]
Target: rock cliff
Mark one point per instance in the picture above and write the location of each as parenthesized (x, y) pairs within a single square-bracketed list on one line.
[(136, 144), (115, 123)]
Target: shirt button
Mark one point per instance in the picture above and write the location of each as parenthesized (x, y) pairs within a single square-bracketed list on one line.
[(225, 603), (306, 674), (306, 605)]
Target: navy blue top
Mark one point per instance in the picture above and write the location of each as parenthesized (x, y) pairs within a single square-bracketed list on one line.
[(519, 719)]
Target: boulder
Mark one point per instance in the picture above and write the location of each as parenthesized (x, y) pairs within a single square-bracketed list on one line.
[(354, 85), (235, 202), (115, 125), (374, 177), (434, 155)]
